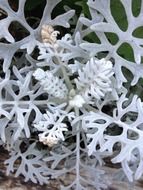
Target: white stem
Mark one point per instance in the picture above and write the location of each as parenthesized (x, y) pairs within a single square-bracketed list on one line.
[(90, 108), (36, 102), (66, 77), (77, 148)]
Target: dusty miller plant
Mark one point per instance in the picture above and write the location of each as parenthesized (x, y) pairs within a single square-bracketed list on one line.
[(66, 109)]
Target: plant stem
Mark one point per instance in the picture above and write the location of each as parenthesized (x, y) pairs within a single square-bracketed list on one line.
[(66, 77), (77, 150), (36, 102)]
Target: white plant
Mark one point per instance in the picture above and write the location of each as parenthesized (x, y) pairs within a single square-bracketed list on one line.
[(52, 127), (95, 79), (76, 97), (51, 84)]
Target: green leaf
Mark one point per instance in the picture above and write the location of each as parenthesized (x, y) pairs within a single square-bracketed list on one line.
[(119, 14), (85, 8), (138, 33), (126, 51)]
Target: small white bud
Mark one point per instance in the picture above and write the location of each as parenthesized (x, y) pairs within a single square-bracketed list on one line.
[(77, 101), (49, 140), (48, 34), (39, 74)]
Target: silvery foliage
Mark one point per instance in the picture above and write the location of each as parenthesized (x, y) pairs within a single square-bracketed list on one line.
[(80, 101)]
